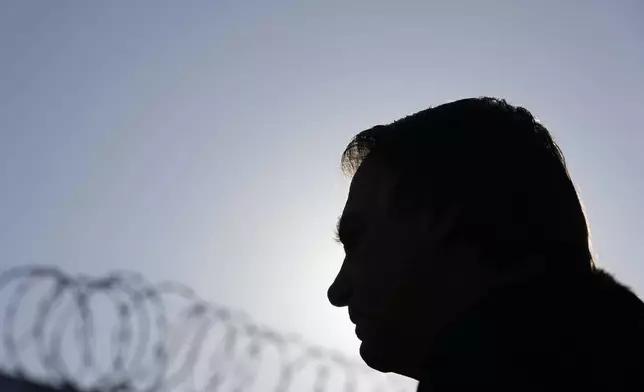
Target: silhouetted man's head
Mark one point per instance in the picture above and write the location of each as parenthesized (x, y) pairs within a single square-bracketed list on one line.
[(443, 205)]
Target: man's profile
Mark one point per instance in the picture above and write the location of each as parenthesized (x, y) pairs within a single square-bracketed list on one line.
[(468, 262)]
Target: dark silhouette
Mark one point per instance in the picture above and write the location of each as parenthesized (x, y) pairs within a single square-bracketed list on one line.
[(468, 264)]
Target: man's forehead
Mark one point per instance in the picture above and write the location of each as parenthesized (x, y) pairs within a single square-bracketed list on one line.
[(370, 187)]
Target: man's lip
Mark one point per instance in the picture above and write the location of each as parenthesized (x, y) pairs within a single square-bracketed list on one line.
[(351, 315), (354, 315), (358, 332)]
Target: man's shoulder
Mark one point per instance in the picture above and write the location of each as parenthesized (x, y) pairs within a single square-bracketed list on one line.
[(612, 296), (578, 330)]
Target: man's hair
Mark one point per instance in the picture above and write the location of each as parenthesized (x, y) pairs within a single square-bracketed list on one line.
[(494, 162)]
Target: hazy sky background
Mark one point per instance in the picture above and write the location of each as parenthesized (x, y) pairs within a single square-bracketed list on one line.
[(200, 141)]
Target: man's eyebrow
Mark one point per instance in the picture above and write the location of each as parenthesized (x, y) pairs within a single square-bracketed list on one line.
[(338, 227)]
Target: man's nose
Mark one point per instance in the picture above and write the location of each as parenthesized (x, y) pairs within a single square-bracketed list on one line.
[(340, 290)]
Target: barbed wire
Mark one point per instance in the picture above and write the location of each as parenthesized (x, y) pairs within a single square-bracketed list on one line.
[(121, 333)]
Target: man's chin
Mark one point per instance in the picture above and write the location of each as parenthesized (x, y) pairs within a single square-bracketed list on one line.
[(389, 357), (376, 358)]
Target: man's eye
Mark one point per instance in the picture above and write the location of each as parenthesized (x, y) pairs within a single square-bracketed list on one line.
[(346, 243), (349, 240)]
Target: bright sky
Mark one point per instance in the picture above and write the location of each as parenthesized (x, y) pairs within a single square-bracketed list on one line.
[(200, 141)]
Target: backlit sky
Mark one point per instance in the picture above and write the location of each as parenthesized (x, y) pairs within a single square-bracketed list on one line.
[(200, 141)]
